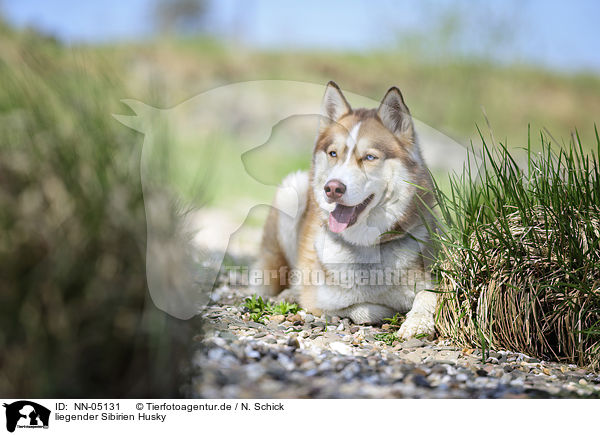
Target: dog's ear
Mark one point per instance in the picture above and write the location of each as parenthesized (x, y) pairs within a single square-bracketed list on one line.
[(395, 116), (334, 104)]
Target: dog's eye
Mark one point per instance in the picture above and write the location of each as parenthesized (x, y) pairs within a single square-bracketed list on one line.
[(332, 153), (370, 157)]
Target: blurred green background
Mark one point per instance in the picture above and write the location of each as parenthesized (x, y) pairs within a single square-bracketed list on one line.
[(75, 316)]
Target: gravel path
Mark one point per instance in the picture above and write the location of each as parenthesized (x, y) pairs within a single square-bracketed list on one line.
[(300, 356)]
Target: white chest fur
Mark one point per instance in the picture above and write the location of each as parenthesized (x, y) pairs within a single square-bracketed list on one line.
[(389, 274)]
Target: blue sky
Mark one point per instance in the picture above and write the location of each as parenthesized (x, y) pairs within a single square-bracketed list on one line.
[(559, 34)]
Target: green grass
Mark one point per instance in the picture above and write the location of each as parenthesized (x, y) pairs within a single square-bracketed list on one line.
[(388, 338), (391, 337), (519, 252), (396, 320), (258, 308)]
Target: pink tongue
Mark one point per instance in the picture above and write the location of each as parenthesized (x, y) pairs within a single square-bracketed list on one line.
[(340, 217)]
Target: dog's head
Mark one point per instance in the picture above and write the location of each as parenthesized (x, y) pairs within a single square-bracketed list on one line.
[(366, 166)]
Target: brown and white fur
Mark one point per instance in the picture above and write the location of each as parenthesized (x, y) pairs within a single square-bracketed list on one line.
[(368, 165)]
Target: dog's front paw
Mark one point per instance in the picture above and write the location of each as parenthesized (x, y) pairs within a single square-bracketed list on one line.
[(417, 324)]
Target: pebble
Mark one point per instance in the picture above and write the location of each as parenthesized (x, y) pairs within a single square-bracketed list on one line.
[(278, 318), (295, 318), (340, 347), (302, 356), (293, 341), (412, 343)]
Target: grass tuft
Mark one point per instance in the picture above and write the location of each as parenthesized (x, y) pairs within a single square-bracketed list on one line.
[(258, 308), (396, 320), (388, 338), (519, 257)]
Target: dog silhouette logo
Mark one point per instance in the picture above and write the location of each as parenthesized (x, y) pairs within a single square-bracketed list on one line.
[(263, 121), (26, 414)]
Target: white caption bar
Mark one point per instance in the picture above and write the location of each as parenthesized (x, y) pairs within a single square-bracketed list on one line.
[(154, 416)]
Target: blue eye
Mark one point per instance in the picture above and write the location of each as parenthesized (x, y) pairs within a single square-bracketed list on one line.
[(370, 157), (332, 153)]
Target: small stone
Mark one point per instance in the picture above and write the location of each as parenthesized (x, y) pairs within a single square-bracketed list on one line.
[(251, 353), (370, 339), (278, 318), (357, 340), (445, 361), (420, 381), (419, 371), (295, 318), (260, 334), (309, 318), (385, 326), (340, 347), (582, 382), (273, 325), (219, 341), (293, 341), (461, 377), (497, 373), (226, 335), (354, 329), (481, 372), (412, 343)]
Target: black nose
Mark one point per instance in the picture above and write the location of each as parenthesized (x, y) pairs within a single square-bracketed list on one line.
[(334, 189)]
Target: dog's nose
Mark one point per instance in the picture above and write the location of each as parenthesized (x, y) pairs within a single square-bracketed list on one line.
[(334, 189)]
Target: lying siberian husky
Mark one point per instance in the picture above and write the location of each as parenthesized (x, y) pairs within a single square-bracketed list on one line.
[(358, 245)]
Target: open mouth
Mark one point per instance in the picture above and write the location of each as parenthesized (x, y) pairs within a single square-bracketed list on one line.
[(344, 216)]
